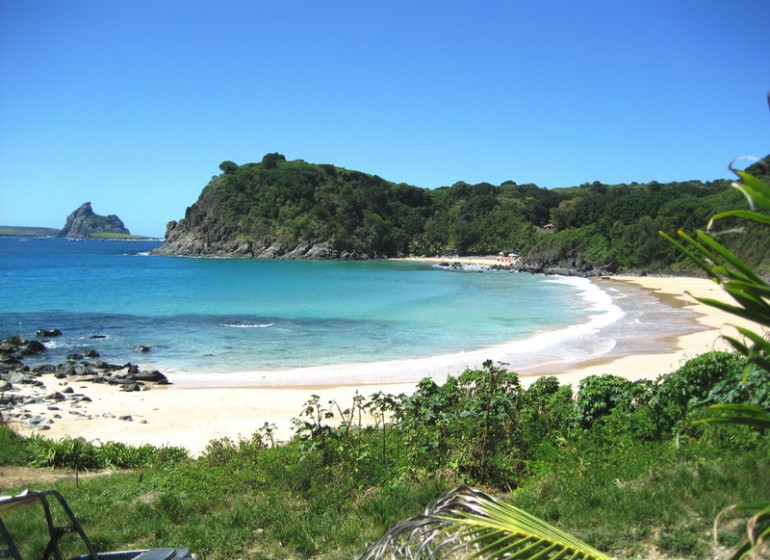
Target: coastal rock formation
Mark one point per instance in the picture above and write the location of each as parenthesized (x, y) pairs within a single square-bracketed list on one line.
[(83, 223), (185, 238), (280, 209), (14, 375), (572, 265)]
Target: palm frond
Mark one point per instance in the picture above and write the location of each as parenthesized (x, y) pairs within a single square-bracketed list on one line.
[(469, 521), (757, 529), (747, 414), (763, 219)]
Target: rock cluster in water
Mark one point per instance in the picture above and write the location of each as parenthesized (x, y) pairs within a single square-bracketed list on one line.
[(22, 385)]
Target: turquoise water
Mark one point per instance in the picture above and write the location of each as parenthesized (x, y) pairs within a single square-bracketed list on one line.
[(227, 315)]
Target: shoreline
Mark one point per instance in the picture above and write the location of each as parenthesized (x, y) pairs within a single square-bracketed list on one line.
[(189, 415)]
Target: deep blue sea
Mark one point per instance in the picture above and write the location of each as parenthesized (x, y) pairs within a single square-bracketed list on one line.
[(233, 315)]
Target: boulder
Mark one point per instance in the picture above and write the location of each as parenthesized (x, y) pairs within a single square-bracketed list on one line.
[(150, 376), (33, 347), (64, 370)]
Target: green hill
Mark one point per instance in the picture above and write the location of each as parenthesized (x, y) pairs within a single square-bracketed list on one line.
[(294, 209)]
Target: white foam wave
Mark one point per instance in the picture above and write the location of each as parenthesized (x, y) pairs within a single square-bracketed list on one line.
[(558, 345), (247, 325)]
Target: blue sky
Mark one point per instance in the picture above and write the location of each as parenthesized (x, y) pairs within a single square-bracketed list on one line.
[(132, 105)]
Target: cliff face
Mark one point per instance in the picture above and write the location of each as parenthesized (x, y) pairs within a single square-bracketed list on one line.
[(279, 209), (83, 223), (205, 233)]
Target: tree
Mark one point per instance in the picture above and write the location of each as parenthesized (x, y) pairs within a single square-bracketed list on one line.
[(228, 167), (270, 161)]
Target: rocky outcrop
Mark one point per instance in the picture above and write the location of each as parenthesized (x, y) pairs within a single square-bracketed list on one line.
[(204, 232), (83, 223), (22, 386), (572, 265), (183, 241)]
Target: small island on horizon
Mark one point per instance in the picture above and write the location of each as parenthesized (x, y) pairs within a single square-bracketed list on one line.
[(83, 223)]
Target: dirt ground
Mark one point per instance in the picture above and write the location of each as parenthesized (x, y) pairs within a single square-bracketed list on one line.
[(15, 479)]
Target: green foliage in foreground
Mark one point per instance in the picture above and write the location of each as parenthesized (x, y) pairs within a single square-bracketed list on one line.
[(616, 479)]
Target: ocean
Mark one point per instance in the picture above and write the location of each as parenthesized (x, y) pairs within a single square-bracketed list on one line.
[(214, 317)]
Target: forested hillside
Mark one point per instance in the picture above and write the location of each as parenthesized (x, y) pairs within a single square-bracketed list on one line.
[(293, 209)]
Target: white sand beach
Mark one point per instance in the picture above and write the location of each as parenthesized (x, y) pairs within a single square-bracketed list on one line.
[(189, 415)]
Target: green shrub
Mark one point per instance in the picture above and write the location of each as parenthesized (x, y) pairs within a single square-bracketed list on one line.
[(598, 395), (678, 395)]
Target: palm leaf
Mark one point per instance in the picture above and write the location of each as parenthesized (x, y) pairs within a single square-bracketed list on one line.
[(750, 292), (747, 414), (755, 190), (757, 529), (743, 215), (746, 273), (470, 521), (690, 254)]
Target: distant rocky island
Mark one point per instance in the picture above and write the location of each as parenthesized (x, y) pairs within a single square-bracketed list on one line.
[(84, 223)]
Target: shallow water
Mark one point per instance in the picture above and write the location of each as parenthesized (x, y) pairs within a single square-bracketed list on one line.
[(230, 315)]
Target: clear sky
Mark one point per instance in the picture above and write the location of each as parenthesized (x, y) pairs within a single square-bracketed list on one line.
[(133, 104)]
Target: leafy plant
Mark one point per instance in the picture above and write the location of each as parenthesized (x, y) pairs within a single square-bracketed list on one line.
[(469, 522), (598, 395)]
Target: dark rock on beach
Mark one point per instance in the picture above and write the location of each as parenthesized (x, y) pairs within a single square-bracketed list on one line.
[(573, 265), (149, 376), (22, 386)]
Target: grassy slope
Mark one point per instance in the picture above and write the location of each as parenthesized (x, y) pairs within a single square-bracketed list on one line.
[(247, 500)]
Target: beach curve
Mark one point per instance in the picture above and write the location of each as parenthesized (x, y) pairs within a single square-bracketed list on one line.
[(188, 415)]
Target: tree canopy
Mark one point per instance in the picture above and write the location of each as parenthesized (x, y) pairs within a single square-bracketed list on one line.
[(296, 202)]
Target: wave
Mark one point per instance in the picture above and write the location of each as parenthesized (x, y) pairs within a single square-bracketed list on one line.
[(247, 325), (591, 337)]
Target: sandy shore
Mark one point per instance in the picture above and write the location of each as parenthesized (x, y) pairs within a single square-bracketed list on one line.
[(186, 415)]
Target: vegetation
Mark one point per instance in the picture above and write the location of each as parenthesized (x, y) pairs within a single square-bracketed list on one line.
[(118, 236), (18, 231), (291, 203), (607, 470)]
